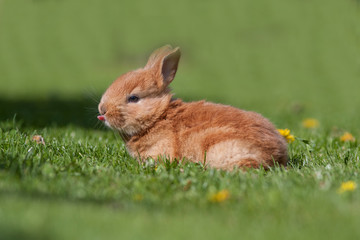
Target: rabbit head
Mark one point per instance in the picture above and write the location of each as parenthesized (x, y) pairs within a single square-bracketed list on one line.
[(135, 100)]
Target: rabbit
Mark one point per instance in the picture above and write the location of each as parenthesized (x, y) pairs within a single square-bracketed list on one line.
[(153, 124)]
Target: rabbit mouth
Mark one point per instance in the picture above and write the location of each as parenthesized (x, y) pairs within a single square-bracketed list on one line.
[(103, 119), (125, 131)]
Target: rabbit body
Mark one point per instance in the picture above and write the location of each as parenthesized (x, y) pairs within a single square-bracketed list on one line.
[(139, 105)]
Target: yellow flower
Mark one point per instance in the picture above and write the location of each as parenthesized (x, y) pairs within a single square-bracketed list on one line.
[(310, 123), (347, 137), (286, 134), (220, 196), (348, 186)]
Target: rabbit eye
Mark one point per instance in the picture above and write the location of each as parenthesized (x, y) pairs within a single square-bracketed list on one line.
[(133, 99)]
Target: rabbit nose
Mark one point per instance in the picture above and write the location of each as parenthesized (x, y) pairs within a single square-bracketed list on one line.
[(101, 117), (102, 109)]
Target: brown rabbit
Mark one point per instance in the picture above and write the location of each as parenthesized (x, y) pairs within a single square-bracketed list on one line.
[(140, 106)]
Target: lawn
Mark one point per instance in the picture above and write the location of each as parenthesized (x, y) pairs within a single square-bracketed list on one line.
[(288, 60)]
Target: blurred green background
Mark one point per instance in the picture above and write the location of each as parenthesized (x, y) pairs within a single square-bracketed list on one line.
[(287, 59), (281, 57)]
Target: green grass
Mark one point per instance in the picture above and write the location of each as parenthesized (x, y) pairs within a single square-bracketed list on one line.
[(288, 60)]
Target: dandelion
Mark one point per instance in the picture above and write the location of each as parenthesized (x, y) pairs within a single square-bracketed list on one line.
[(219, 196), (347, 137), (286, 134), (310, 123), (348, 186)]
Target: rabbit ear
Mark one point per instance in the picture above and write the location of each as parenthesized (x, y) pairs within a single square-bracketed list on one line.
[(157, 55), (169, 65), (165, 62)]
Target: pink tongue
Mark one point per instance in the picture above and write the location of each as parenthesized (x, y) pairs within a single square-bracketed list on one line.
[(101, 117)]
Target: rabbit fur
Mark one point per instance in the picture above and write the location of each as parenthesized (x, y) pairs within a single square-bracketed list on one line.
[(140, 106)]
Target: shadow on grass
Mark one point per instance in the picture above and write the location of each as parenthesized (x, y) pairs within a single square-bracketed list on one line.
[(50, 112), (16, 233), (59, 112)]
